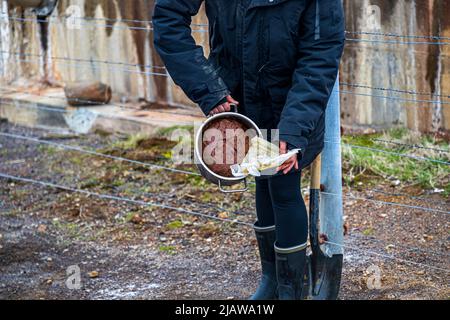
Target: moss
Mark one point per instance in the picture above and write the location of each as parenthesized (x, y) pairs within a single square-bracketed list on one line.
[(368, 232), (174, 225), (167, 249), (49, 150), (129, 216), (167, 132), (89, 183), (102, 133), (131, 142), (18, 194), (71, 229)]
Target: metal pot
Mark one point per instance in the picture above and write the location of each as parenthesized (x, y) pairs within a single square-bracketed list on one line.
[(207, 173)]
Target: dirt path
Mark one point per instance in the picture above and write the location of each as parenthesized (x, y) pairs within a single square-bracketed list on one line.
[(131, 251)]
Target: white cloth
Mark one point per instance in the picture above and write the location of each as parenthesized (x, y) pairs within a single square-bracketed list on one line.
[(263, 158)]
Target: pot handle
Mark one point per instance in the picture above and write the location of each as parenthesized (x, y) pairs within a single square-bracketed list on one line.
[(234, 191), (234, 108)]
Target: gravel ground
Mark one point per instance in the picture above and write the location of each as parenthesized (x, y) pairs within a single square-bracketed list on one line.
[(126, 250)]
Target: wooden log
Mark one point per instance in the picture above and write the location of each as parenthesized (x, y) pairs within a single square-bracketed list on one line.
[(87, 93)]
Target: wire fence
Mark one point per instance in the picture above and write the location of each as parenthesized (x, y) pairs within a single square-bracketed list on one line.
[(7, 90), (194, 213), (403, 91), (410, 146), (395, 42), (149, 70), (116, 198), (402, 248), (75, 21), (394, 153), (161, 167), (91, 64), (5, 14)]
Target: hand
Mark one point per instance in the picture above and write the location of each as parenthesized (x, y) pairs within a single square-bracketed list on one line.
[(290, 163), (225, 107)]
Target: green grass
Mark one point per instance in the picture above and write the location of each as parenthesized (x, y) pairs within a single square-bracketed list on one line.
[(70, 228), (168, 249), (129, 217), (367, 165), (177, 224), (368, 232), (167, 132), (131, 142), (77, 160), (49, 150), (18, 194)]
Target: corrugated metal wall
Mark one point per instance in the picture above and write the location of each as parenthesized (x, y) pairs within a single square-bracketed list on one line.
[(424, 68), (421, 67), (81, 41)]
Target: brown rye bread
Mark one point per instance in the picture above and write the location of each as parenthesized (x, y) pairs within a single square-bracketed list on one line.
[(220, 149)]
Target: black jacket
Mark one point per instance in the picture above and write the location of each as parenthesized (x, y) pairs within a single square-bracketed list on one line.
[(279, 58)]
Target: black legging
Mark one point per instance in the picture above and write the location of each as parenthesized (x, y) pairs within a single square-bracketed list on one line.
[(279, 202)]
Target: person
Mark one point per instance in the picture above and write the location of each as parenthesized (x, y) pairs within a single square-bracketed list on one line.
[(279, 60)]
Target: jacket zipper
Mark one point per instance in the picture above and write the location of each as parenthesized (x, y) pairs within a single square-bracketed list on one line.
[(317, 22), (243, 12)]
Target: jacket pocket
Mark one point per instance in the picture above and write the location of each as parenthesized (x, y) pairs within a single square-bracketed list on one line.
[(283, 38), (277, 82)]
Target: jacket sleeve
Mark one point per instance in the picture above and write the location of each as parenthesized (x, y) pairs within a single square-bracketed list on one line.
[(185, 61), (320, 49)]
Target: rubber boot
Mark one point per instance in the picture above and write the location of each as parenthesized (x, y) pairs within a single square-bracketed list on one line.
[(291, 268), (267, 289)]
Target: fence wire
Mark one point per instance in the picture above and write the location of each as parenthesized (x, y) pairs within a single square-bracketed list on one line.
[(154, 166), (394, 98), (410, 146), (395, 42), (403, 248), (116, 198), (405, 91), (413, 146), (121, 63), (394, 153), (73, 26), (203, 26), (397, 35), (181, 210), (405, 195), (110, 66), (387, 256)]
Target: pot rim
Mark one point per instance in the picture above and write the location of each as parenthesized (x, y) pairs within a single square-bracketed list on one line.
[(199, 137)]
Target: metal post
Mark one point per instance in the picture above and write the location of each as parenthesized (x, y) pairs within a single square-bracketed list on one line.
[(325, 267), (331, 207)]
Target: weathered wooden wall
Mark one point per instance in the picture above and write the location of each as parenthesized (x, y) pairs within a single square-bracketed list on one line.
[(424, 68)]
